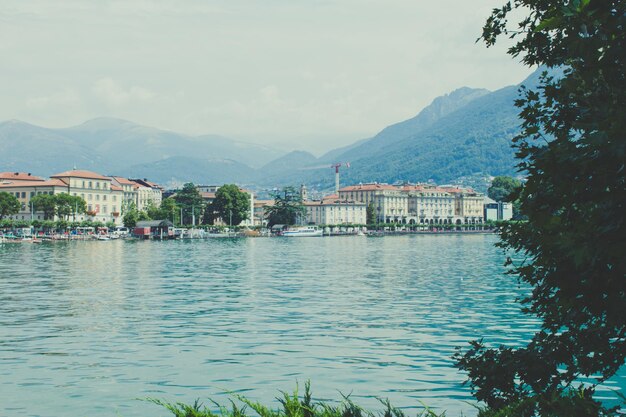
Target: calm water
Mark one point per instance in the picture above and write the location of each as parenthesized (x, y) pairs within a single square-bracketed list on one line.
[(86, 328)]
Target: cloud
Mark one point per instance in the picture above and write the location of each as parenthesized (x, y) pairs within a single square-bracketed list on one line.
[(64, 98), (113, 94)]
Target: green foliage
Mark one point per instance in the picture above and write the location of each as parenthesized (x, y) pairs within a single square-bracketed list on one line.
[(291, 405), (69, 205), (504, 188), (9, 204), (191, 203), (287, 207), (572, 150), (131, 218), (153, 212), (231, 205), (370, 214), (169, 210), (45, 203)]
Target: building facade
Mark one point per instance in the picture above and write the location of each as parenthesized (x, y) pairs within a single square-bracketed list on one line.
[(418, 203), (334, 212)]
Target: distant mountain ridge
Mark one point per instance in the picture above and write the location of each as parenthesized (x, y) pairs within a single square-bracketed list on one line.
[(110, 145), (460, 134)]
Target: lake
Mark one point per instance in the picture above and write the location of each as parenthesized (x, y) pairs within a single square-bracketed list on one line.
[(88, 328)]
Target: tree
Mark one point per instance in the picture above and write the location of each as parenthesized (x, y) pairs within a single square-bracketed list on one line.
[(287, 207), (572, 151), (69, 205), (131, 218), (370, 213), (191, 203), (46, 203), (503, 188), (169, 210), (230, 204), (153, 211), (9, 205)]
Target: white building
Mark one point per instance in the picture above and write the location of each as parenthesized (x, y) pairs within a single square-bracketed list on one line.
[(104, 199), (334, 212), (418, 204)]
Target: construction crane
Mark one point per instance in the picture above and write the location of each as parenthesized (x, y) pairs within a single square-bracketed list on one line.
[(337, 165)]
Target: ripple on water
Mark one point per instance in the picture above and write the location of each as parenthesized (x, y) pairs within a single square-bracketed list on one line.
[(87, 327)]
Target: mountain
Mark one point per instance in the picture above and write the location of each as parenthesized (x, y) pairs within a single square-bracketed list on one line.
[(463, 134), (124, 141), (109, 145), (42, 151), (440, 107), (285, 167), (182, 169)]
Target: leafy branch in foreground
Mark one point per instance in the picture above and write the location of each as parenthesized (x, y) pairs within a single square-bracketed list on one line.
[(572, 150), (291, 405)]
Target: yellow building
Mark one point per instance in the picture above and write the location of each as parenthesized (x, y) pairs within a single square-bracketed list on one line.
[(104, 199)]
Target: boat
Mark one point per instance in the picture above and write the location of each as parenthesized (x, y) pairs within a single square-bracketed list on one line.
[(309, 231)]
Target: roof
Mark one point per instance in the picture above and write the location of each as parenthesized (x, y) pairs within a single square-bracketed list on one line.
[(123, 181), (33, 184), (207, 195), (20, 176), (368, 187), (334, 202), (80, 174), (154, 223), (116, 188)]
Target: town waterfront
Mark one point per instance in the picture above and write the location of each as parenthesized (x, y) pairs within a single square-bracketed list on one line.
[(86, 328)]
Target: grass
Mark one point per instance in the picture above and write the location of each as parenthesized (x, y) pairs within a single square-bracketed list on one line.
[(291, 405)]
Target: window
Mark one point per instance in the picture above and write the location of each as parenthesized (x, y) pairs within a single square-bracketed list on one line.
[(32, 194), (90, 184), (104, 209), (23, 194), (104, 198), (83, 184), (97, 197)]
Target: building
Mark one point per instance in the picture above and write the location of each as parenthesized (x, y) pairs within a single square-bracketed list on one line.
[(24, 187), (261, 211), (104, 199), (418, 203), (155, 229), (496, 211), (128, 190), (333, 211), (390, 202), (147, 193)]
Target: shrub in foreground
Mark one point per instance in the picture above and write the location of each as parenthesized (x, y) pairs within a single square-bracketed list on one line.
[(291, 405)]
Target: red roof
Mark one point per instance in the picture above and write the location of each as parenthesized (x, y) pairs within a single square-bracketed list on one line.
[(80, 174), (123, 180), (42, 183), (20, 176), (116, 188), (368, 187)]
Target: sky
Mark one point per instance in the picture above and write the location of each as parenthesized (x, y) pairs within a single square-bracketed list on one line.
[(296, 74)]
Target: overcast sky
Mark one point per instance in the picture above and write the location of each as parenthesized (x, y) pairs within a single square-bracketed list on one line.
[(308, 73)]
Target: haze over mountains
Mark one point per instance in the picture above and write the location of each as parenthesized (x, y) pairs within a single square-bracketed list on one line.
[(463, 133)]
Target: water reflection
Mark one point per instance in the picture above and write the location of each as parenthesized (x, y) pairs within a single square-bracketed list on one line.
[(86, 327)]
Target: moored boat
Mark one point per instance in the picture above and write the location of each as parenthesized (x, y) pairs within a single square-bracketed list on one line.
[(308, 231)]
